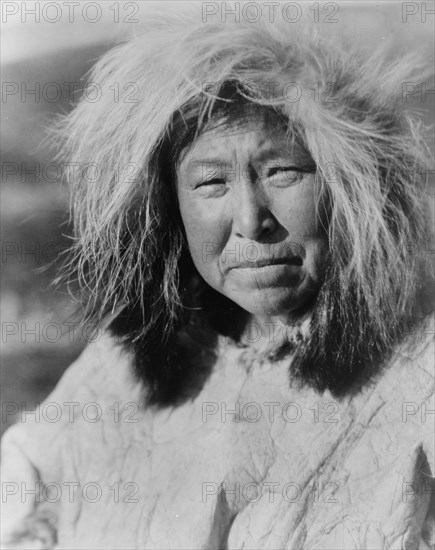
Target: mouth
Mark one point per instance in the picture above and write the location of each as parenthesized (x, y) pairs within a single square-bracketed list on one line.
[(294, 261)]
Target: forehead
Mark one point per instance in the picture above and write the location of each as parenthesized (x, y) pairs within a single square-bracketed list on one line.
[(259, 136)]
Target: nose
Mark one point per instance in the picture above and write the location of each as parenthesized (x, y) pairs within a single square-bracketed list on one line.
[(252, 218)]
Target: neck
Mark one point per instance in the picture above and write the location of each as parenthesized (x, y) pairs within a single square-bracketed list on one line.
[(273, 331)]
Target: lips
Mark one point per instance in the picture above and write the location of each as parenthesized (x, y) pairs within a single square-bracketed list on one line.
[(295, 261)]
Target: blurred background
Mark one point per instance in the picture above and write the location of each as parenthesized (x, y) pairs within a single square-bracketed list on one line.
[(47, 48), (43, 69)]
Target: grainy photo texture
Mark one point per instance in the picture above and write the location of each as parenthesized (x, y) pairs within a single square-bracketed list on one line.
[(217, 275)]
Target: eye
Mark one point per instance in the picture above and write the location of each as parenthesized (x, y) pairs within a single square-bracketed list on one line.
[(281, 169), (212, 188), (286, 175), (214, 181)]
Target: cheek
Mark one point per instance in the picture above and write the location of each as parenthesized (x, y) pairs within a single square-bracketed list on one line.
[(303, 227), (312, 233), (205, 231), (296, 210)]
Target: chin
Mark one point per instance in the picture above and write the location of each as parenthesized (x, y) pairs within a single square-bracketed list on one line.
[(275, 302)]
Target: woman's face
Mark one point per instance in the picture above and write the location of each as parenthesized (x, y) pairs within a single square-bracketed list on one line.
[(247, 201)]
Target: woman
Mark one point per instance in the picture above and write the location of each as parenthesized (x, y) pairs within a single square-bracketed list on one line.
[(264, 376)]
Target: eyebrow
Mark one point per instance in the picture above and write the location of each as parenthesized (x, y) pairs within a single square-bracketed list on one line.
[(200, 162), (267, 154)]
